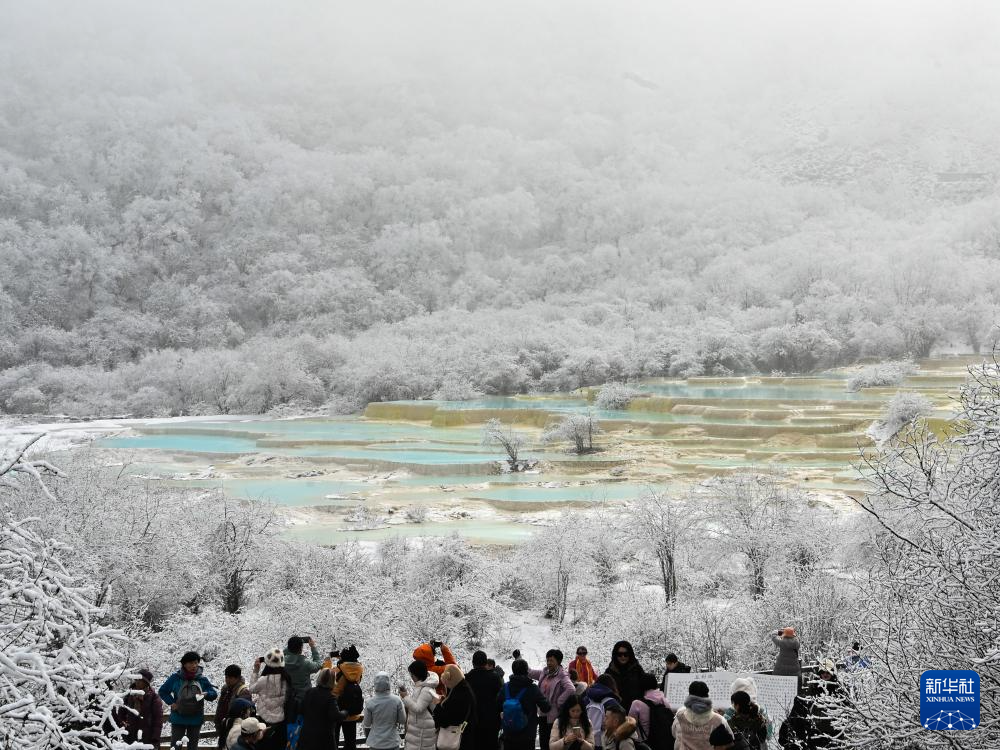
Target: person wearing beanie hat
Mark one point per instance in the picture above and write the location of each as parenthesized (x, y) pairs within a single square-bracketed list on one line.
[(141, 715), (251, 735), (274, 695), (748, 685), (787, 662), (229, 730), (428, 654), (234, 687), (486, 685), (696, 721), (186, 691), (347, 689), (384, 714), (458, 707)]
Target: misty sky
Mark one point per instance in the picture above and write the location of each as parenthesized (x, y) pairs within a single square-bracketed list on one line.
[(901, 61)]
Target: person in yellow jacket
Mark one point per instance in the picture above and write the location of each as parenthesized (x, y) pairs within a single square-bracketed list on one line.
[(347, 689)]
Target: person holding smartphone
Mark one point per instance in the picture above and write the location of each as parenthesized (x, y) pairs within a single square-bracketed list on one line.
[(572, 730)]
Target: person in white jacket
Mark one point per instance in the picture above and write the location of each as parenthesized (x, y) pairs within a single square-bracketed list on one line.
[(421, 734), (271, 689)]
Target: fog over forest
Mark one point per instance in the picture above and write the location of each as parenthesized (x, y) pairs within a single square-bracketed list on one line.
[(231, 207)]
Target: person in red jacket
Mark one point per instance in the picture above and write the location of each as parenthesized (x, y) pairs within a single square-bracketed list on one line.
[(582, 666), (428, 654), (142, 714)]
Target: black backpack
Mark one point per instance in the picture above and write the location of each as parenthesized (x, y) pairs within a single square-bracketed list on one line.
[(661, 722)]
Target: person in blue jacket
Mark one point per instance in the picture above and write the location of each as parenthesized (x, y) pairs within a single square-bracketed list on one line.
[(185, 692)]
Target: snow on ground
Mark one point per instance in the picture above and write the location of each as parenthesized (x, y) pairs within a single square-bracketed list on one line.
[(64, 435)]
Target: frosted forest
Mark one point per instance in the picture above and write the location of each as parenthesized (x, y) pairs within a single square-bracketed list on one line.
[(510, 326)]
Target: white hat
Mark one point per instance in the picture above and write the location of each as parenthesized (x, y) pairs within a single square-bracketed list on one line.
[(275, 658), (252, 725), (747, 684)]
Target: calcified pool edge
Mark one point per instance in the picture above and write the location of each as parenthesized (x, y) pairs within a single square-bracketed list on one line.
[(419, 468)]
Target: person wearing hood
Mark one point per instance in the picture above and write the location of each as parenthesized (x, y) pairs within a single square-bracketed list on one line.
[(320, 715), (428, 654), (142, 714), (273, 693), (299, 668), (742, 716), (186, 691), (421, 732), (521, 687), (383, 715), (458, 707), (486, 686), (641, 709), (233, 687), (556, 686), (696, 721), (229, 729), (787, 662), (616, 734), (347, 688), (627, 672)]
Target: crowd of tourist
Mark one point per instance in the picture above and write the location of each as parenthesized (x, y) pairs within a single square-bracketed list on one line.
[(295, 701)]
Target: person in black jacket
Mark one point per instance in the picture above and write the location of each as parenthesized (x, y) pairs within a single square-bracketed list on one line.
[(486, 686), (531, 700), (458, 706), (321, 716), (673, 666), (627, 673)]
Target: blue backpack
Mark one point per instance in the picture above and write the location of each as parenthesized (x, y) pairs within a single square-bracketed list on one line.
[(514, 718)]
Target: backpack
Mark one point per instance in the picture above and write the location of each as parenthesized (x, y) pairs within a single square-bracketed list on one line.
[(740, 741), (661, 721), (187, 702), (294, 732), (352, 700), (595, 713), (514, 718)]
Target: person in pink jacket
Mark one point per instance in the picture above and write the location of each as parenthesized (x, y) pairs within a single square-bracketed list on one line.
[(556, 686), (639, 710)]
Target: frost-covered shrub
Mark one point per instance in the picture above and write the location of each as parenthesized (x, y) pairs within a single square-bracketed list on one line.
[(903, 408), (615, 396), (881, 375), (454, 387), (58, 660)]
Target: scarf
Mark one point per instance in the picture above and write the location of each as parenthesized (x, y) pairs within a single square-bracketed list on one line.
[(698, 705)]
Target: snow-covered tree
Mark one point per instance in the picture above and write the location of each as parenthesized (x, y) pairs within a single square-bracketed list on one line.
[(578, 429), (496, 433), (931, 599), (615, 396), (58, 665), (902, 409)]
